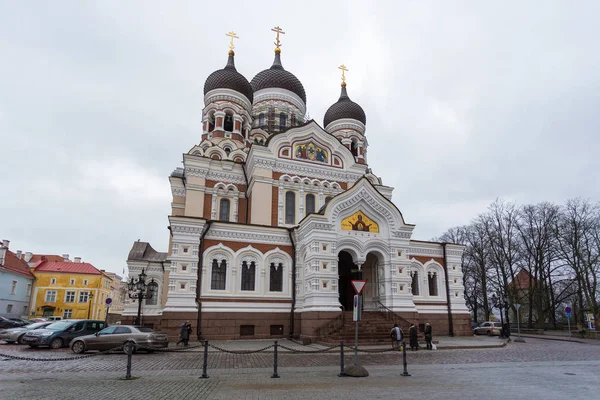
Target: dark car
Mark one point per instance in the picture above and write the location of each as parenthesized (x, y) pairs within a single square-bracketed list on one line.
[(121, 336), (7, 323), (59, 334)]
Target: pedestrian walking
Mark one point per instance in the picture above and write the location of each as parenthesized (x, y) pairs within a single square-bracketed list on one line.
[(428, 336), (412, 335), (506, 331), (397, 337), (184, 333)]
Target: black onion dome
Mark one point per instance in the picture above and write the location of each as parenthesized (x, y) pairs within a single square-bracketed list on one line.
[(344, 108), (229, 78), (277, 77)]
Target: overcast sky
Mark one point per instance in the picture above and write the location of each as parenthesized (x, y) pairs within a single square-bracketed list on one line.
[(465, 102)]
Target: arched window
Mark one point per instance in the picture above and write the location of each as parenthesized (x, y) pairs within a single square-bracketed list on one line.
[(211, 122), (224, 210), (227, 150), (154, 299), (276, 278), (218, 274), (290, 208), (261, 120), (415, 283), (293, 121), (228, 123), (282, 121), (354, 148), (248, 275), (432, 280), (310, 203)]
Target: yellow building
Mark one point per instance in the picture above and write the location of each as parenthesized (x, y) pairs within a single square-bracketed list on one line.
[(71, 290)]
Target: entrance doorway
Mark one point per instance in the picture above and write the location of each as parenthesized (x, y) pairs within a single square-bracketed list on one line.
[(348, 272)]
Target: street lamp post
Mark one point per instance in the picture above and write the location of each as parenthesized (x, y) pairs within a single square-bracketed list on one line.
[(141, 290), (500, 303), (91, 296)]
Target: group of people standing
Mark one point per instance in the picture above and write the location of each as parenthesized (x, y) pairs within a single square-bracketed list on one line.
[(398, 337)]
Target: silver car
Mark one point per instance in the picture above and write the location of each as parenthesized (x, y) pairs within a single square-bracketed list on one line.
[(13, 335), (121, 336), (488, 328)]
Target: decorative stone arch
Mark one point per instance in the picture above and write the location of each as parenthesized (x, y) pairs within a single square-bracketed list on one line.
[(225, 191), (248, 254), (216, 151), (220, 253), (238, 155), (417, 268), (431, 269), (278, 256)]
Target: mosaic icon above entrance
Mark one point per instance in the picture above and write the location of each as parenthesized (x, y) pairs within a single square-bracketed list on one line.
[(311, 151), (359, 222)]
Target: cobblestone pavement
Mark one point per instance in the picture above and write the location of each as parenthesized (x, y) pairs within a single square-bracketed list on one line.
[(552, 368)]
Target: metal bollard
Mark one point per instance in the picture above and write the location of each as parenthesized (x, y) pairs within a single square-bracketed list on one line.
[(129, 355), (405, 373), (342, 373), (205, 362), (275, 374)]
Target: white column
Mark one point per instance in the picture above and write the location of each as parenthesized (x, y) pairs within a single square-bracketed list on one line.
[(213, 211)]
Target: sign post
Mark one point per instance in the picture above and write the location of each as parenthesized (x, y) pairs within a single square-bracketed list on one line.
[(107, 301), (357, 313), (518, 339), (568, 314)]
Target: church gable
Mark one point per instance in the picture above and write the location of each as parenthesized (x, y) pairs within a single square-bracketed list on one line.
[(311, 144)]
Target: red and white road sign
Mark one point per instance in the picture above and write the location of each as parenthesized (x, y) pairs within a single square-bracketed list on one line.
[(359, 286)]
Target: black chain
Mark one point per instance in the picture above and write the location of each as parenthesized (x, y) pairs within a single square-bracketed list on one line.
[(372, 350), (239, 351), (169, 350), (309, 351), (62, 358)]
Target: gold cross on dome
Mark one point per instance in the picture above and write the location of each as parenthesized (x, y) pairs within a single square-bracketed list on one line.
[(344, 69), (232, 35), (278, 30)]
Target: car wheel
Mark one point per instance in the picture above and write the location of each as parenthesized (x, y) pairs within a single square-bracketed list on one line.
[(129, 346), (78, 347), (56, 343), (489, 333), (20, 339)]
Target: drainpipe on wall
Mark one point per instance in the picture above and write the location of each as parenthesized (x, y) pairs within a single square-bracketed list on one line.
[(199, 280), (450, 323), (293, 288)]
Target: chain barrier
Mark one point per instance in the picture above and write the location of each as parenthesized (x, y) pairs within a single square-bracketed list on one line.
[(169, 349), (240, 351), (61, 358), (309, 351), (371, 350)]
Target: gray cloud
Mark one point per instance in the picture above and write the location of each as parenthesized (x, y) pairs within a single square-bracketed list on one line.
[(465, 102)]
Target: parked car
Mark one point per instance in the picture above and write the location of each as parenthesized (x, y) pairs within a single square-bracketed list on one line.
[(13, 335), (121, 335), (7, 323), (38, 320), (488, 328), (59, 334)]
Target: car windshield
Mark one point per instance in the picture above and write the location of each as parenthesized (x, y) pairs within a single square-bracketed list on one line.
[(37, 325), (59, 326)]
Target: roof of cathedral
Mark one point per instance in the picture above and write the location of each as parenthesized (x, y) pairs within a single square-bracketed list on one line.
[(278, 77), (12, 263), (229, 78), (344, 108), (142, 251), (70, 267)]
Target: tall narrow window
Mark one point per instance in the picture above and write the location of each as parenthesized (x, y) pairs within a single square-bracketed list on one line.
[(218, 274), (228, 123), (211, 122), (354, 148), (282, 121), (290, 208), (415, 283), (293, 121), (152, 301), (310, 203), (248, 275), (276, 278), (433, 286), (261, 120), (224, 210)]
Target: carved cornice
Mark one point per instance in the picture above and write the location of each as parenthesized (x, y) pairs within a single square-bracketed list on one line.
[(215, 175), (189, 230), (373, 202), (419, 251), (253, 237), (178, 191)]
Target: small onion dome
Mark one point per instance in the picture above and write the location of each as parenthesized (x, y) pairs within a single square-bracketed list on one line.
[(229, 78), (277, 77), (344, 108)]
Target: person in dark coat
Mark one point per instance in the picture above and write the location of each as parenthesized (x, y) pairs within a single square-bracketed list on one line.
[(428, 336), (184, 333), (412, 334)]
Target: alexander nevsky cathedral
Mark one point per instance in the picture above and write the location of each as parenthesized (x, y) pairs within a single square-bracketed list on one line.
[(274, 215)]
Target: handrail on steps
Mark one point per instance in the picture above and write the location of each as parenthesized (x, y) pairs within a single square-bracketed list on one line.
[(333, 325), (389, 314)]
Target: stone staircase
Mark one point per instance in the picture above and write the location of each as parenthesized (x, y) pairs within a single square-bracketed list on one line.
[(373, 328)]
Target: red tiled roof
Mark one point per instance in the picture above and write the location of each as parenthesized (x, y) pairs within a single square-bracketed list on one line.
[(49, 257), (71, 267), (12, 263)]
